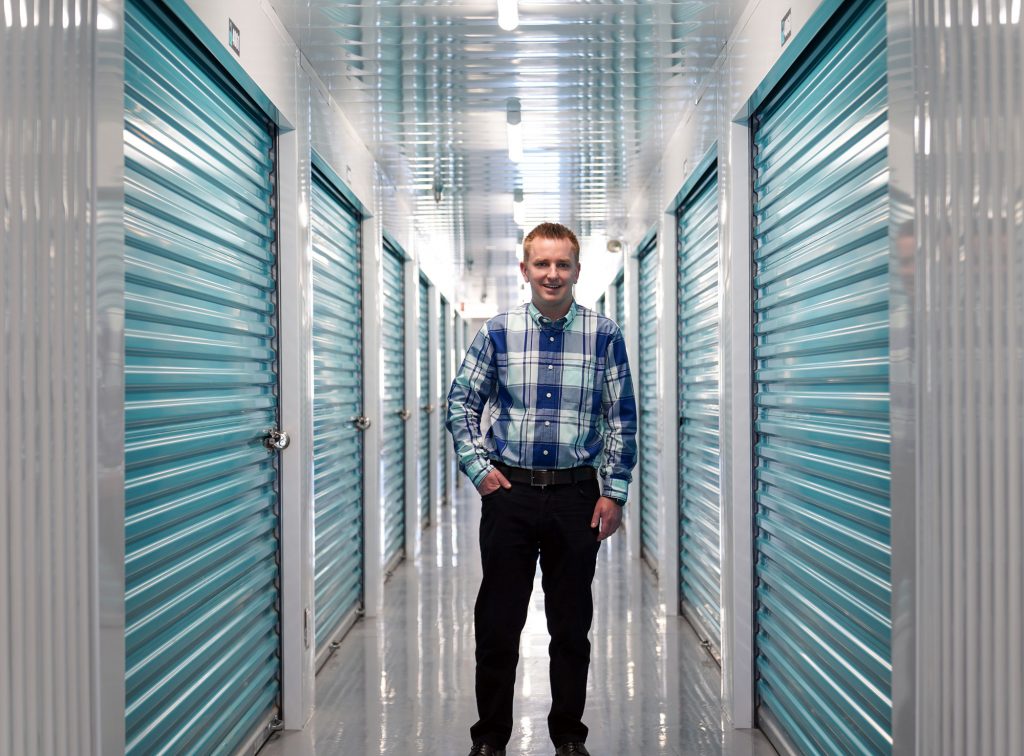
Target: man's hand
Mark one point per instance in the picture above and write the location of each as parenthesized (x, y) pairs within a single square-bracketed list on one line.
[(492, 482), (608, 515)]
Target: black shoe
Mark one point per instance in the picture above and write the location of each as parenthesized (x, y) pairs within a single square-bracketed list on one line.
[(482, 749), (572, 749)]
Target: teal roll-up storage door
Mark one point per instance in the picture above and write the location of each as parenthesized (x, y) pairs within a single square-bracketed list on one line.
[(395, 412), (699, 340), (426, 405), (649, 405), (337, 402), (444, 383), (600, 306), (202, 638), (823, 651)]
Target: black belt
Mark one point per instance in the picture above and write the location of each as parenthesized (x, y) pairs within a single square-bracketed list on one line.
[(546, 477)]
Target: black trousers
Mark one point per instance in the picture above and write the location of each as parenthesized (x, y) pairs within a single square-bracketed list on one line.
[(516, 526)]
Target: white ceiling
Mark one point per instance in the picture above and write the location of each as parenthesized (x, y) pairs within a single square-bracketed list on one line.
[(601, 87)]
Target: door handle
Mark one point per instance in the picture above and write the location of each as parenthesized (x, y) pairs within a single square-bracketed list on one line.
[(428, 408), (362, 422), (404, 414)]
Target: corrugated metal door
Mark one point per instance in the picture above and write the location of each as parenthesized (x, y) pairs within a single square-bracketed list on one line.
[(201, 491), (600, 307), (822, 394), (700, 579), (649, 405), (426, 405), (337, 407), (443, 384), (395, 412)]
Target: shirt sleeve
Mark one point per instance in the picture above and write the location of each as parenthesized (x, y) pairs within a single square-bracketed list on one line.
[(619, 408), (470, 390)]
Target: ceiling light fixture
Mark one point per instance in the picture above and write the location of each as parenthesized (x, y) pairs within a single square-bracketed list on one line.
[(508, 14), (513, 120)]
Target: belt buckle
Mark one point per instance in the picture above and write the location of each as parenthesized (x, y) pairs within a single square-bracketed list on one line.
[(542, 473)]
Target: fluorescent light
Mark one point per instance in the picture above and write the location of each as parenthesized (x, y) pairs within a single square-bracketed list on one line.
[(508, 14), (515, 142)]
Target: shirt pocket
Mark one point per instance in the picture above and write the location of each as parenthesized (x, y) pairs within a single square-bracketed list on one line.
[(582, 381)]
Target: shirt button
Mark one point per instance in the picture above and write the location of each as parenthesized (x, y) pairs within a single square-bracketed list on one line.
[(545, 452), (548, 395), (551, 367), (547, 422), (551, 338)]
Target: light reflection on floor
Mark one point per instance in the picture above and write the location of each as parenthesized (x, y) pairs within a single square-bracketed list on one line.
[(402, 683)]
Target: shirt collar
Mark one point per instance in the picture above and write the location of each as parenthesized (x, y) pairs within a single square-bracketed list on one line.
[(545, 322)]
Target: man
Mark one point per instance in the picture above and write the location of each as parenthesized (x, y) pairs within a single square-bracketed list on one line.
[(552, 471)]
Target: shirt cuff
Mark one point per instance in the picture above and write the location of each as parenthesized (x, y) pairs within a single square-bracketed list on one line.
[(478, 470), (615, 488)]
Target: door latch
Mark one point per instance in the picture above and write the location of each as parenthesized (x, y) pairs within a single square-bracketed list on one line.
[(276, 440), (362, 422)]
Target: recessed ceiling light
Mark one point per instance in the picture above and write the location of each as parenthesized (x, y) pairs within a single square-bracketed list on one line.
[(508, 14)]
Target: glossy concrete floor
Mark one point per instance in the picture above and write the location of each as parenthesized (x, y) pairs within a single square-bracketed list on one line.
[(402, 683)]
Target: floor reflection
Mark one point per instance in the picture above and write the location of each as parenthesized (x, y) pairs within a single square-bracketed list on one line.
[(402, 684)]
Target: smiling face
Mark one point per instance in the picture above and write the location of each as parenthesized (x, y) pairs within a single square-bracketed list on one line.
[(551, 269)]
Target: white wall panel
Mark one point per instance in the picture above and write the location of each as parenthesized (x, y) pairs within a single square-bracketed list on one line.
[(373, 408), (268, 56), (61, 458), (298, 651), (959, 335), (336, 141)]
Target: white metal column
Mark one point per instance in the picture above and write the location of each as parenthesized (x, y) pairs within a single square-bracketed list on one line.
[(736, 428), (296, 344), (373, 409)]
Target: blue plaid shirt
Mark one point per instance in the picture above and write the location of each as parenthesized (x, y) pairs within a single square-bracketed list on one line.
[(559, 395)]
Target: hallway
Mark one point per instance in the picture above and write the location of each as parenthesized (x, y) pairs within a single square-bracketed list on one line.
[(402, 683)]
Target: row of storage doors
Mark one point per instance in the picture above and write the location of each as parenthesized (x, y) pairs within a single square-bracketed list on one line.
[(202, 403), (821, 392)]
